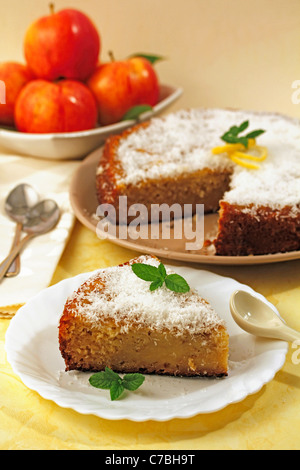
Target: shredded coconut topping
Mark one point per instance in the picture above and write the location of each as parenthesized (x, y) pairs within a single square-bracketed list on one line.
[(182, 142), (127, 299)]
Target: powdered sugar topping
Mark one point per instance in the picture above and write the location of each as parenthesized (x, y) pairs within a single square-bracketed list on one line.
[(127, 299), (182, 142), (271, 186)]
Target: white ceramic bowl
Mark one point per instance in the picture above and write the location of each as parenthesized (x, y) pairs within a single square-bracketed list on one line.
[(76, 145)]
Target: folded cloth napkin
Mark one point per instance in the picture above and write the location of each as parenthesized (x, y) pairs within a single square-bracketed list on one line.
[(40, 257)]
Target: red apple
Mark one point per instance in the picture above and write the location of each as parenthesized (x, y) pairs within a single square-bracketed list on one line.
[(120, 85), (64, 106), (14, 77), (65, 44)]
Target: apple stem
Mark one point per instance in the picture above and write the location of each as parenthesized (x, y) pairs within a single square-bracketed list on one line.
[(51, 6), (111, 55)]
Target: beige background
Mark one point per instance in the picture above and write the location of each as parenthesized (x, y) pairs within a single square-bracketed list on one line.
[(237, 53)]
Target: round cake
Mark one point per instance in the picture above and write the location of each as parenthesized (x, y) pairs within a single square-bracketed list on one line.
[(174, 159)]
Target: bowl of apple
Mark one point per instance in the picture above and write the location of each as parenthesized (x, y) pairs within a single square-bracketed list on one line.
[(63, 102)]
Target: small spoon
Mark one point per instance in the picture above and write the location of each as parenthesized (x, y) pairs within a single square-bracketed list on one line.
[(258, 318), (17, 205), (41, 219)]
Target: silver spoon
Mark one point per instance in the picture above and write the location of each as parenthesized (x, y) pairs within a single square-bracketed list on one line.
[(17, 205), (258, 318), (41, 219)]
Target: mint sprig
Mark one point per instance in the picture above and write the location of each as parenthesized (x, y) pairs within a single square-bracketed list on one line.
[(110, 380), (158, 276), (232, 135)]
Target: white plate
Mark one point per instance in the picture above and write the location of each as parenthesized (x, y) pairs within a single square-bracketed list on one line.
[(76, 145), (33, 352)]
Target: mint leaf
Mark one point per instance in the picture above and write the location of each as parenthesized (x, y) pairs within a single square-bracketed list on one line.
[(136, 111), (243, 126), (133, 381), (146, 272), (110, 380), (233, 139), (232, 136), (156, 284), (100, 380), (104, 379), (110, 373), (244, 141), (177, 283), (254, 134), (162, 270), (116, 389), (158, 276), (234, 130), (151, 57)]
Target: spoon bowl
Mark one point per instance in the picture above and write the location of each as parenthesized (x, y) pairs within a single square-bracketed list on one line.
[(17, 204), (19, 201), (41, 219), (258, 318)]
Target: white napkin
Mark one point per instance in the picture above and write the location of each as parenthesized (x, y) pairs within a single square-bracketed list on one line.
[(40, 257)]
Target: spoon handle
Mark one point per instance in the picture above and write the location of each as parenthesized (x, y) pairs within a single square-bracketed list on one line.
[(289, 334), (15, 251), (15, 266)]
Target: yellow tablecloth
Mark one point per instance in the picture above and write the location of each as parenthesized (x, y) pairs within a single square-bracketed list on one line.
[(269, 419)]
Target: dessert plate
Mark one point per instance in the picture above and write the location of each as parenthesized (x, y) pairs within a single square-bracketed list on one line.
[(84, 203), (33, 351), (76, 145)]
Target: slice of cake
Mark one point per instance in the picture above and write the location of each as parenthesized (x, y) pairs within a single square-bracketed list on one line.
[(115, 320)]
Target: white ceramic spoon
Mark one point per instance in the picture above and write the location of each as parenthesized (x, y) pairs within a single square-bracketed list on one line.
[(258, 318)]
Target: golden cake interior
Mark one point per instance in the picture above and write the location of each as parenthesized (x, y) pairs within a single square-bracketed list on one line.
[(141, 340)]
